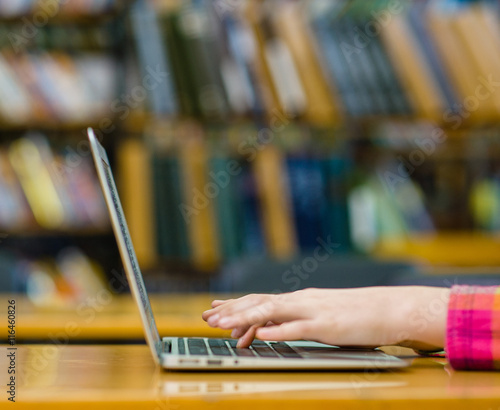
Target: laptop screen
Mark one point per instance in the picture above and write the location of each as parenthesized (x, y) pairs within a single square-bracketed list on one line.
[(126, 248)]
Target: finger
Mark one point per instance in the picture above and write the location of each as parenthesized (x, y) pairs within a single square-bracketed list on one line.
[(261, 314), (219, 302), (213, 311), (296, 330), (247, 339), (241, 304), (240, 331)]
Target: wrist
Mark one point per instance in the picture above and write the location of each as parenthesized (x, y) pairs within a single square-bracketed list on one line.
[(423, 319)]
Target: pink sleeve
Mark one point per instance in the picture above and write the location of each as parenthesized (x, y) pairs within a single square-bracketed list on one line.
[(473, 328)]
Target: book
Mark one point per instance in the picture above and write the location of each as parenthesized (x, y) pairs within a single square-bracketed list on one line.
[(153, 55), (30, 165), (413, 69), (273, 187), (308, 199), (457, 63), (224, 172), (321, 108), (197, 207), (136, 191)]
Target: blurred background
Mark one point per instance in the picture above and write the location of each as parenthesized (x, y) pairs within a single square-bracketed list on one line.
[(257, 145)]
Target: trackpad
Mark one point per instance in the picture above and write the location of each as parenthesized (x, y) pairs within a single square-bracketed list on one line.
[(313, 350)]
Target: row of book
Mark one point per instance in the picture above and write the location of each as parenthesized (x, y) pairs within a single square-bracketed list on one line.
[(68, 279), (324, 60), (57, 87), (18, 8), (219, 194), (49, 189), (15, 36)]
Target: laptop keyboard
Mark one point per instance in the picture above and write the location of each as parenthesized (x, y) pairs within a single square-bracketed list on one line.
[(227, 347)]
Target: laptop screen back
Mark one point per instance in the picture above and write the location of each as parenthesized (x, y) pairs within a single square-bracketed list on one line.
[(129, 259)]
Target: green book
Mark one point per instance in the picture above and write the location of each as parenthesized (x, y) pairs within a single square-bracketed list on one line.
[(227, 207)]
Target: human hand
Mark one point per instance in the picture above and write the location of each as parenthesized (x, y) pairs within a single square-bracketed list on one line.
[(413, 316)]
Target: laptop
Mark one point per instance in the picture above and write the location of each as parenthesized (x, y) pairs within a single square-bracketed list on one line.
[(200, 353)]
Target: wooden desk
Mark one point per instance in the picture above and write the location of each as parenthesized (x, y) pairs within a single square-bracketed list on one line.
[(124, 377), (112, 319)]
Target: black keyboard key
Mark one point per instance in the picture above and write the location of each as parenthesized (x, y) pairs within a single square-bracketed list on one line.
[(181, 347), (216, 342), (243, 352), (286, 351), (264, 351), (197, 346), (220, 351), (232, 342), (167, 346)]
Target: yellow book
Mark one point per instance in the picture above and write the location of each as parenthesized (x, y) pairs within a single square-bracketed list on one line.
[(455, 60), (136, 190), (477, 41), (272, 185), (29, 164), (411, 67), (253, 19), (321, 107), (198, 202)]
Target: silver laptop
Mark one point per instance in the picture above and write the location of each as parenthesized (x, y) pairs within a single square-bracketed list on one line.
[(177, 353)]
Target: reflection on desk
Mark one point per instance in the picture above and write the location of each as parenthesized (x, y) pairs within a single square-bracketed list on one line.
[(124, 377)]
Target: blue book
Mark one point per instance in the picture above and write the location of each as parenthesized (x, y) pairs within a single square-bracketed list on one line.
[(253, 235), (416, 18), (235, 38), (307, 189), (335, 63), (152, 56)]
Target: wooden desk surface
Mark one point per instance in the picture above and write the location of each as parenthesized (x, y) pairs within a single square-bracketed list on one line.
[(113, 319), (124, 377)]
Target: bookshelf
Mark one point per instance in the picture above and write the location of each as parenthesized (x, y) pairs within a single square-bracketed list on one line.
[(320, 104), (62, 65)]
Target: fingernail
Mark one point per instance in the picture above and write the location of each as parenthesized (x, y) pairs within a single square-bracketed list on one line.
[(226, 322), (212, 320)]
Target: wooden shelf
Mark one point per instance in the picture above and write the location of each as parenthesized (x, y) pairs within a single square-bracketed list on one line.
[(465, 249)]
